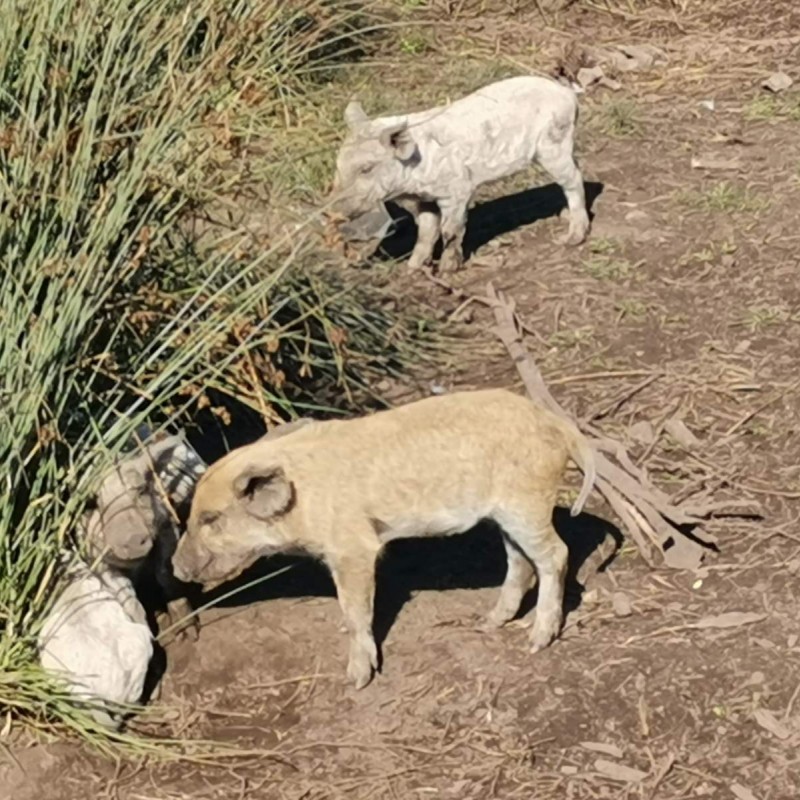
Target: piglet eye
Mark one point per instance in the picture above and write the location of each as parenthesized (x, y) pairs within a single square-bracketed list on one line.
[(208, 518), (366, 170)]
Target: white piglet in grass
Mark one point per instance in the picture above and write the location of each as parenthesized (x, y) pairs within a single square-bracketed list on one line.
[(96, 640), (431, 162)]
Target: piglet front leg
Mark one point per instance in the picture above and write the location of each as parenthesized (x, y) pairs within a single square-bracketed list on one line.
[(354, 576), (184, 626)]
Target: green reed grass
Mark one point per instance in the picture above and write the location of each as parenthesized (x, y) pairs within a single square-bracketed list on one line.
[(119, 121)]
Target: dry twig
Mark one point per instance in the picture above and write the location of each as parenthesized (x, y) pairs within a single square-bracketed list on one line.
[(652, 519)]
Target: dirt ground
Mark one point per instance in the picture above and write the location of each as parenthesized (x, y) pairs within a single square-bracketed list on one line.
[(690, 277)]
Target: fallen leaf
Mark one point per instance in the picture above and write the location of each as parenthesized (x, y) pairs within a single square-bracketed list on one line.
[(741, 793), (630, 57), (769, 722), (586, 76), (731, 619), (777, 82), (684, 554), (642, 431), (601, 747), (619, 772), (677, 429)]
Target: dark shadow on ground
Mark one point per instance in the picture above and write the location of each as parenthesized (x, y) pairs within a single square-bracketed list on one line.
[(487, 220), (473, 560)]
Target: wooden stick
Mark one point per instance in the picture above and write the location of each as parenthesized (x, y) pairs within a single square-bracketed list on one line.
[(650, 517)]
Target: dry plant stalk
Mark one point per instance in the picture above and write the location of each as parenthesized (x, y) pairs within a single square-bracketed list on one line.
[(655, 523)]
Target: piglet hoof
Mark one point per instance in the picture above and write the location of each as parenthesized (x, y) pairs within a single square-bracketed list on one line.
[(576, 235), (359, 672), (571, 239), (543, 635), (363, 661), (494, 621), (451, 261), (418, 263), (189, 632), (185, 627)]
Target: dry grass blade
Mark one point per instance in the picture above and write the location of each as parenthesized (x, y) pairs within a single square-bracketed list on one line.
[(118, 308)]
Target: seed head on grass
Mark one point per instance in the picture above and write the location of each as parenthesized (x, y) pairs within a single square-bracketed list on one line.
[(115, 310)]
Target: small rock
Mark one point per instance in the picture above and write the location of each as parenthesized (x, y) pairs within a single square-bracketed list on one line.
[(621, 604), (742, 347), (568, 769), (708, 105), (777, 82), (792, 640)]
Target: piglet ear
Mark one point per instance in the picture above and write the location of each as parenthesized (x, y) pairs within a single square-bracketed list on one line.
[(354, 114), (264, 492), (398, 140)]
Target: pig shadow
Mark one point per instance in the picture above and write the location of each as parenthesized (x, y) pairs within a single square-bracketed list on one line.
[(474, 560), (487, 220)]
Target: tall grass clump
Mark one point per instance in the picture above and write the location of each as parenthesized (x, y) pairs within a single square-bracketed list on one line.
[(123, 123)]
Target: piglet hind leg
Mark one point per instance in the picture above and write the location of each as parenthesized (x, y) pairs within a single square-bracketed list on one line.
[(354, 576), (454, 227), (532, 530), (557, 160), (519, 578)]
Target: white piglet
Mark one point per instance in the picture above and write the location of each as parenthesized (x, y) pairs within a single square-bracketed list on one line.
[(431, 162)]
